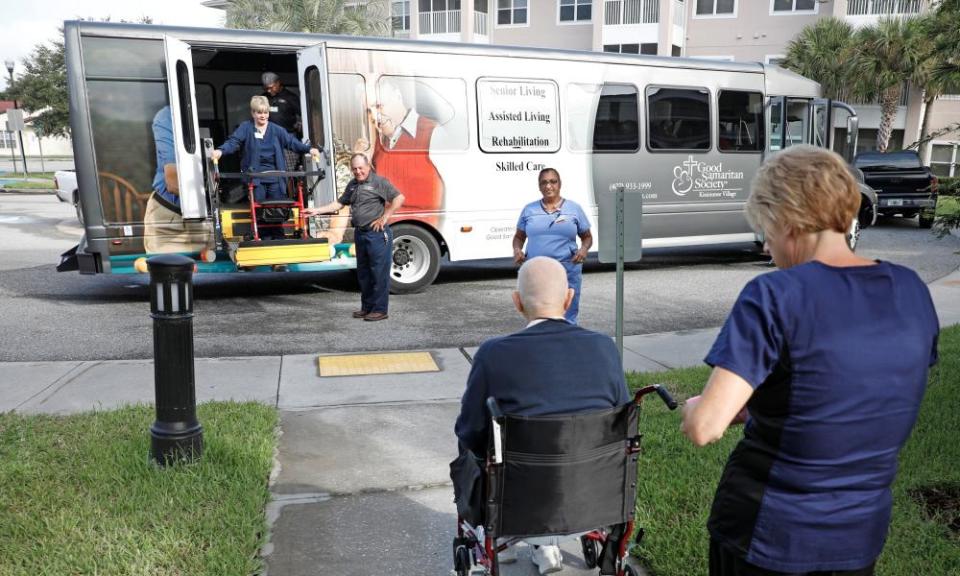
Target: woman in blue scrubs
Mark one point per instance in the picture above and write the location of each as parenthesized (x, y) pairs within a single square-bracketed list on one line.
[(550, 227)]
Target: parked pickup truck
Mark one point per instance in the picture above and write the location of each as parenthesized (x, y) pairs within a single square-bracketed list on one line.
[(904, 186), (66, 183)]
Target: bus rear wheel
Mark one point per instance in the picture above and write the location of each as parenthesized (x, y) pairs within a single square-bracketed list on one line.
[(415, 260)]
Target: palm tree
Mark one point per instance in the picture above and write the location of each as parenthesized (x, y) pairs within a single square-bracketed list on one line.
[(825, 52), (888, 55), (369, 18), (939, 70)]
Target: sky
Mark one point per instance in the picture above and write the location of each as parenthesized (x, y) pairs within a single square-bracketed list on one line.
[(29, 22)]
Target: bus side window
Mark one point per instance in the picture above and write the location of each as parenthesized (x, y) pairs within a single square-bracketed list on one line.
[(678, 119), (740, 118)]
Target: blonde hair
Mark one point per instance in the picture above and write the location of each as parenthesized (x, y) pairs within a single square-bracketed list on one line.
[(259, 104), (803, 189)]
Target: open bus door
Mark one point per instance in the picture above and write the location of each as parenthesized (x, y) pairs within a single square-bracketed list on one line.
[(183, 107), (315, 112)]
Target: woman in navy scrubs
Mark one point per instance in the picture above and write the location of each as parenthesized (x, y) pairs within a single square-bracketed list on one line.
[(263, 143), (827, 360), (550, 227)]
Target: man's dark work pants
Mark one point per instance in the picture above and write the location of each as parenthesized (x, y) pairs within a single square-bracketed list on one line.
[(374, 255)]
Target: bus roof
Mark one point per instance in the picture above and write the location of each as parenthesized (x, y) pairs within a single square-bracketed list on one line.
[(298, 40)]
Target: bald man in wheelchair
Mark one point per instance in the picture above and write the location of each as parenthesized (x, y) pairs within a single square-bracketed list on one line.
[(549, 367)]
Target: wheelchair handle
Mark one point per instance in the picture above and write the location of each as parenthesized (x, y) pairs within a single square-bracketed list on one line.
[(494, 408), (661, 391)]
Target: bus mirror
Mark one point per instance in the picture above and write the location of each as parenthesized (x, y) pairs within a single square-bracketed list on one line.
[(853, 133)]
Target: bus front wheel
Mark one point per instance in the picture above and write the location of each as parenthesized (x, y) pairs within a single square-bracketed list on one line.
[(416, 259)]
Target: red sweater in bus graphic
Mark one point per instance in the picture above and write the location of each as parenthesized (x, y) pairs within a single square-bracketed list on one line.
[(408, 167)]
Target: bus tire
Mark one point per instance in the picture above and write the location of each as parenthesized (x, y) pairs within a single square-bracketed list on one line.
[(415, 259)]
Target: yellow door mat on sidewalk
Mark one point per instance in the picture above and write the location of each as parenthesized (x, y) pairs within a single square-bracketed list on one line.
[(391, 363)]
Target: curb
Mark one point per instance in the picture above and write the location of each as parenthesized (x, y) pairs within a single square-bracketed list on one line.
[(35, 191)]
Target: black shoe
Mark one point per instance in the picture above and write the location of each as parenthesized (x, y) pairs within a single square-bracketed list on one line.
[(360, 314)]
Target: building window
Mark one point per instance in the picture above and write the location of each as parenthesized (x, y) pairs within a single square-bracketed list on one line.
[(624, 48), (793, 6), (676, 50), (945, 159), (774, 60), (716, 7), (649, 49), (679, 119), (7, 140), (575, 10), (511, 12), (400, 16)]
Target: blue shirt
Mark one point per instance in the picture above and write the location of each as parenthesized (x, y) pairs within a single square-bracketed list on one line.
[(838, 359), (166, 154), (552, 367), (553, 234)]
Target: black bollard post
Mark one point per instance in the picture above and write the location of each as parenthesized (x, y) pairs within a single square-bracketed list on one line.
[(176, 434)]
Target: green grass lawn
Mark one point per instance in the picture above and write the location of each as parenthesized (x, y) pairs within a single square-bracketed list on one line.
[(79, 495), (678, 480)]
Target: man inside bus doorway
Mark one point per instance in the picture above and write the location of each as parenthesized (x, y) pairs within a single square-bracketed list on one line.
[(284, 111), (164, 227), (372, 200)]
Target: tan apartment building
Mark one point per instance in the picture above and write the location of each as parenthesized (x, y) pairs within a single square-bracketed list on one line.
[(735, 30)]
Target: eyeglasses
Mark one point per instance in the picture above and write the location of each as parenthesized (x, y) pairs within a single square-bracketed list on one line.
[(552, 181)]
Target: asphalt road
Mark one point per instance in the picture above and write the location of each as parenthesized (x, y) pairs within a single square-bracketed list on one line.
[(45, 315)]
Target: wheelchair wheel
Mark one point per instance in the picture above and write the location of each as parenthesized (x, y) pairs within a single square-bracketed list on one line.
[(591, 551), (629, 570), (461, 559)]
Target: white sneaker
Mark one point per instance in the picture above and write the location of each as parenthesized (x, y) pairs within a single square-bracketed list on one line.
[(548, 559)]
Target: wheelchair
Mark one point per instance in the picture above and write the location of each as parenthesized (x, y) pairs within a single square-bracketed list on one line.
[(556, 475)]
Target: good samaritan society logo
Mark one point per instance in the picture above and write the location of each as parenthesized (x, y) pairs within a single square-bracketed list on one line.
[(707, 180)]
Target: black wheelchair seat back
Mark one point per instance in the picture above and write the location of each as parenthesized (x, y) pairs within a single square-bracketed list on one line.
[(562, 474)]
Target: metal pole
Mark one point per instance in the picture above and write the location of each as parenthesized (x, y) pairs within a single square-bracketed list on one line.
[(43, 167), (13, 152), (620, 240), (23, 153), (176, 435)]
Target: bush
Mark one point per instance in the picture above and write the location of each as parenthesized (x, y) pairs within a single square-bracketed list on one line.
[(949, 186), (947, 215)]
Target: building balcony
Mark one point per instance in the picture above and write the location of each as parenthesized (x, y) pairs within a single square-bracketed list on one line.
[(867, 12), (625, 12), (440, 22), (448, 25)]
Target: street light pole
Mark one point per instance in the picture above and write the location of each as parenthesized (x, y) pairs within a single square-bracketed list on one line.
[(23, 153)]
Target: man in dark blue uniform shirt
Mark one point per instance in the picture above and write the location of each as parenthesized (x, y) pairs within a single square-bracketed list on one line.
[(372, 200)]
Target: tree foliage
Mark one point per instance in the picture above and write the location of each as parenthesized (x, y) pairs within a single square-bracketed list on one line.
[(42, 87), (824, 52), (316, 16), (874, 63)]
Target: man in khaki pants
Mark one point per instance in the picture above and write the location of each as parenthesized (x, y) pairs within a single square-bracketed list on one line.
[(164, 227)]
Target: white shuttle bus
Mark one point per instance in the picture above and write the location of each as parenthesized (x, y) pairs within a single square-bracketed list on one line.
[(472, 127)]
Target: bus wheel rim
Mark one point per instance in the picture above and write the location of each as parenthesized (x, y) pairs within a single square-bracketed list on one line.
[(411, 259)]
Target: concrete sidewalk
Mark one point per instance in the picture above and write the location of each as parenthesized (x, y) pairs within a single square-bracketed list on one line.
[(361, 484)]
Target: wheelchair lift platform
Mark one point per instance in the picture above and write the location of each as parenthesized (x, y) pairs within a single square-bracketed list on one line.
[(249, 254)]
